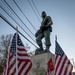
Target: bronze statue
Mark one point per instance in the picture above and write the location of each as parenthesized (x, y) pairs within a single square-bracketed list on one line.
[(44, 32)]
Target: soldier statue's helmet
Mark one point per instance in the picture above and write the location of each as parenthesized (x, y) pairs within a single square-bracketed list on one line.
[(43, 14)]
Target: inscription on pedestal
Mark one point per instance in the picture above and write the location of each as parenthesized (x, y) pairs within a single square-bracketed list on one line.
[(38, 67)]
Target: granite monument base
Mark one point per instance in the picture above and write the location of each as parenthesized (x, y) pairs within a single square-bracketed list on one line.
[(39, 64)]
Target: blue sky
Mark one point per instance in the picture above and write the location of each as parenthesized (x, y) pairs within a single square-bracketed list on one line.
[(63, 16)]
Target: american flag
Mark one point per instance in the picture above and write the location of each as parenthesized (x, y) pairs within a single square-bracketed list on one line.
[(18, 62), (4, 71), (63, 65), (48, 71)]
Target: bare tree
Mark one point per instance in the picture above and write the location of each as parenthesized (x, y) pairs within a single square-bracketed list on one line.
[(5, 41)]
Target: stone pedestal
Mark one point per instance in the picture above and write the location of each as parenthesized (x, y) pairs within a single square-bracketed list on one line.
[(39, 64)]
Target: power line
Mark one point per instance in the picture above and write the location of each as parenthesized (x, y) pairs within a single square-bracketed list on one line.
[(24, 15), (17, 23), (18, 17), (34, 10), (35, 7), (15, 29)]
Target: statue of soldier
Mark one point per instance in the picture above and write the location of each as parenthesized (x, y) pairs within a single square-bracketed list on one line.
[(44, 31)]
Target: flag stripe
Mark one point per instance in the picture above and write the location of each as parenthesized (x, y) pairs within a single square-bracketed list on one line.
[(56, 56), (10, 57), (57, 60), (21, 49), (23, 70), (22, 52), (11, 65), (29, 67), (22, 67), (62, 64), (23, 58), (19, 54), (14, 72), (64, 67), (58, 64)]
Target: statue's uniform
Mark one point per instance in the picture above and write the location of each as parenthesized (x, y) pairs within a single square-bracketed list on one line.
[(44, 31)]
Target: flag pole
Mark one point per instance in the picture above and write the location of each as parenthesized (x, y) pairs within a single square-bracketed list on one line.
[(55, 37), (16, 51)]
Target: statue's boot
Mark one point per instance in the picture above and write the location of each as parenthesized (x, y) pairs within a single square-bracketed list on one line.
[(47, 49), (41, 48)]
